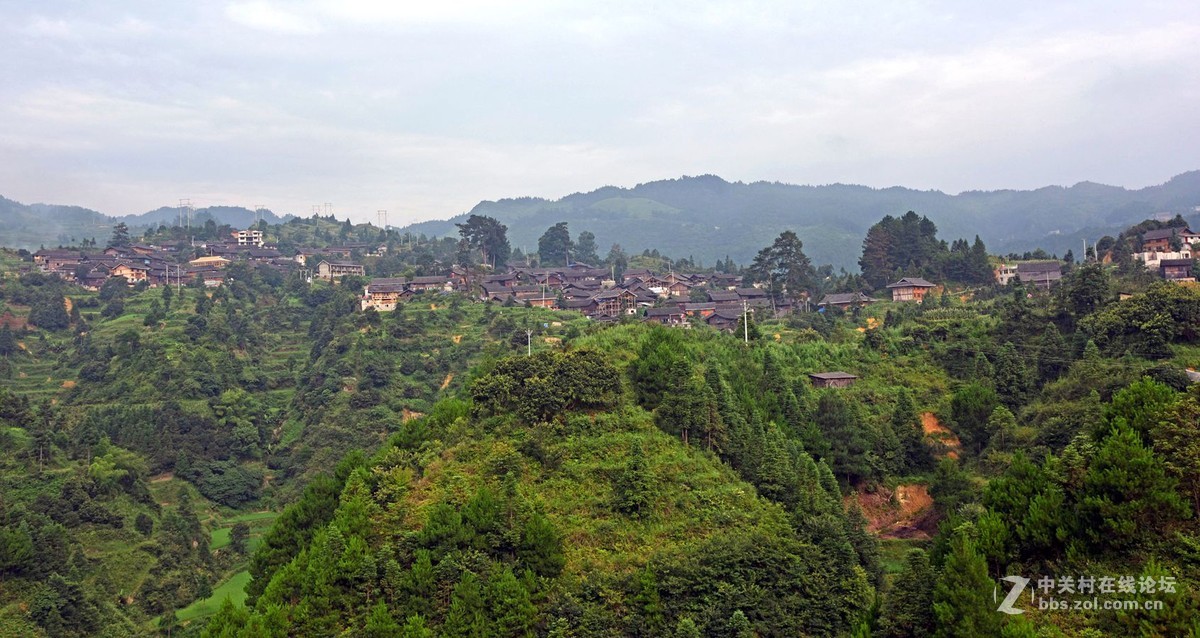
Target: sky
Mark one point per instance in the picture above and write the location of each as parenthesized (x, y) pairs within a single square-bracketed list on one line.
[(425, 108)]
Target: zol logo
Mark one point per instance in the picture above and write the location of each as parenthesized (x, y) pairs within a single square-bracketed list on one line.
[(1006, 606)]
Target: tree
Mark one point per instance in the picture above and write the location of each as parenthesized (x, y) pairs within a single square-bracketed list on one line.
[(512, 612), (1127, 495), (908, 608), (843, 428), (380, 623), (238, 537), (1087, 289), (962, 599), (864, 542), (489, 237), (1175, 439), (554, 246), (120, 236), (144, 524), (49, 312), (585, 248), (467, 615), (686, 628), (784, 266), (876, 262), (618, 260), (911, 435), (8, 342), (634, 487), (1054, 357), (970, 408), (1012, 378)]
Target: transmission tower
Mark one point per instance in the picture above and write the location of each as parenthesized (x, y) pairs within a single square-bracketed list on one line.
[(383, 219), (185, 211)]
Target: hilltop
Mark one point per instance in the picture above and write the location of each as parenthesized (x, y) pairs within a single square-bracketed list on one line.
[(708, 218)]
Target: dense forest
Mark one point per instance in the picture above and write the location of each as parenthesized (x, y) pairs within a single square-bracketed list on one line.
[(263, 458)]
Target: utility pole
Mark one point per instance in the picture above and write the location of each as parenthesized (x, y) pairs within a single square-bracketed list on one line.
[(528, 342), (745, 322)]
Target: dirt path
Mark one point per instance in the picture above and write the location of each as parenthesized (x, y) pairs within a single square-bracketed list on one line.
[(446, 382), (938, 432), (165, 476)]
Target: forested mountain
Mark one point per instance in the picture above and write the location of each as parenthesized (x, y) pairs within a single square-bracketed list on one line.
[(31, 226), (708, 218), (265, 458)]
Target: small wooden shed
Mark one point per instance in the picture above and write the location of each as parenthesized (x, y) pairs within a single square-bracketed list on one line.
[(832, 379)]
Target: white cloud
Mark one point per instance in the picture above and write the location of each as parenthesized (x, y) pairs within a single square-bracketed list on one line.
[(267, 16)]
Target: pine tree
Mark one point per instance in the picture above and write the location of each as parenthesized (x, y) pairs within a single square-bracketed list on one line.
[(864, 543), (962, 599), (512, 613), (415, 627), (686, 628), (1054, 358), (634, 485), (971, 407), (739, 625), (467, 617), (380, 623), (1012, 377), (908, 607), (649, 610), (1127, 495), (907, 426)]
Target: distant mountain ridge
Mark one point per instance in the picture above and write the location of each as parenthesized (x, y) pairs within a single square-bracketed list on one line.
[(32, 225), (708, 218)]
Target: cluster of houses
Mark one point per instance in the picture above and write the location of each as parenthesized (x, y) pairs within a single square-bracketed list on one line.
[(168, 263), (718, 299), (595, 292), (1168, 251), (159, 264)]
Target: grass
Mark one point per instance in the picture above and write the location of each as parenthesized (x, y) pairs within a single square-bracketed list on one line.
[(234, 589), (892, 552)]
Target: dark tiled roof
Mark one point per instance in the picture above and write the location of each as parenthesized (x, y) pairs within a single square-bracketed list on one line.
[(839, 298), (828, 376), (1164, 233), (912, 282)]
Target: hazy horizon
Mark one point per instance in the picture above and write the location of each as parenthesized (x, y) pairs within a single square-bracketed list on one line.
[(426, 110)]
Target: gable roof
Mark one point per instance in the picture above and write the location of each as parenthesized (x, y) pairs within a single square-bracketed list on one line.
[(912, 282), (723, 295), (1165, 233), (829, 376), (1030, 268), (844, 298)]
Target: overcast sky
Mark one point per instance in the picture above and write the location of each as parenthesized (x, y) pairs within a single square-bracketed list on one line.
[(425, 108)]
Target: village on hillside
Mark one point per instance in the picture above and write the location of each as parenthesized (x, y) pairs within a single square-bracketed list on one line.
[(718, 299)]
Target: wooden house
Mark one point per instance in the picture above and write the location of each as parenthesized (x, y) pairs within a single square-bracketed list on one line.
[(725, 320), (616, 302), (1178, 270), (910, 289), (330, 270), (1159, 241), (430, 283), (1041, 274), (844, 300), (667, 315), (832, 379), (385, 294)]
